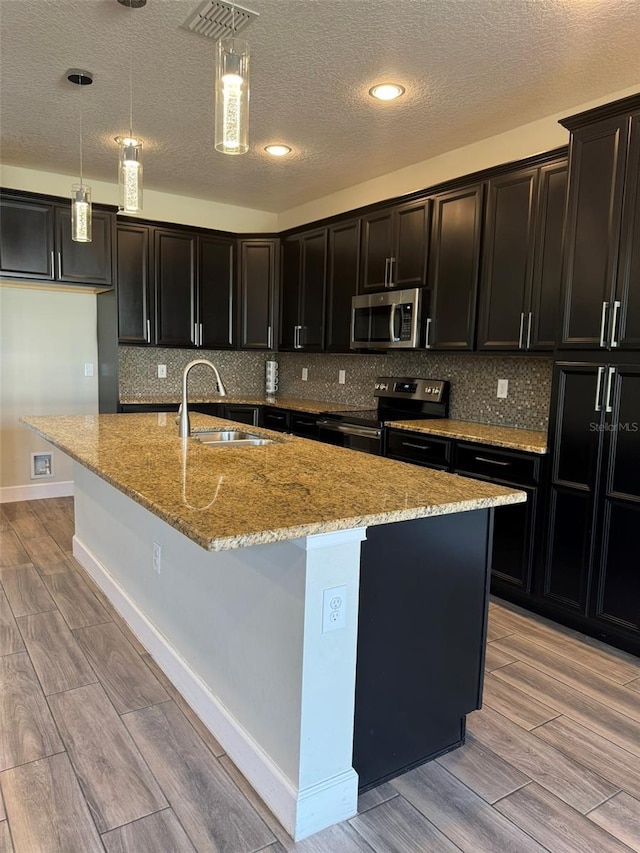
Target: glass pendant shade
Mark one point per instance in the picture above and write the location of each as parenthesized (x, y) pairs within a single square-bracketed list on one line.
[(232, 97), (130, 175), (81, 213)]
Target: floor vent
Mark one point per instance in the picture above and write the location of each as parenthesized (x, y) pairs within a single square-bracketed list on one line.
[(217, 19)]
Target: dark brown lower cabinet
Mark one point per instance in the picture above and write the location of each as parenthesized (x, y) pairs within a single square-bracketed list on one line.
[(591, 567)]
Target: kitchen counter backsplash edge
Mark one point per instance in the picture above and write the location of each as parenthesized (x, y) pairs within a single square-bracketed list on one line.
[(473, 378)]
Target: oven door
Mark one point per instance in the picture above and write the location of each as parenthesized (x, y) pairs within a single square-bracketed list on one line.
[(366, 439)]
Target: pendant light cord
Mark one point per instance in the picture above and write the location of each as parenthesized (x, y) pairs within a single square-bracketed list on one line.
[(130, 74), (81, 183)]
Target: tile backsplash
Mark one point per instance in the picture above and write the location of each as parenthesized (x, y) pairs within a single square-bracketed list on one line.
[(473, 377)]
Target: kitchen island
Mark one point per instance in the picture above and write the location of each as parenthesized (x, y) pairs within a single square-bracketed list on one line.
[(320, 609)]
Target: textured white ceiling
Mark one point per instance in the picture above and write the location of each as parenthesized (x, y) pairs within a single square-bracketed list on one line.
[(472, 69)]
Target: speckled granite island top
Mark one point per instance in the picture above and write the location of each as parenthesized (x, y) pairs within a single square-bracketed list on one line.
[(232, 497), (529, 440), (298, 404)]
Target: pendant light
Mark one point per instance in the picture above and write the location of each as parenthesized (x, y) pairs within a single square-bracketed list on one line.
[(232, 94), (80, 193), (130, 154)]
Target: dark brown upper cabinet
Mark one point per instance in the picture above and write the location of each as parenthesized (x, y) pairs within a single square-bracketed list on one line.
[(216, 304), (395, 244), (175, 259), (257, 283), (625, 318), (454, 264), (136, 323), (35, 243), (599, 153), (522, 259), (343, 275), (304, 281)]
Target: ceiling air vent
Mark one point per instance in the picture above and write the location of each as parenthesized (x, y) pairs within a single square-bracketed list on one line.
[(214, 18)]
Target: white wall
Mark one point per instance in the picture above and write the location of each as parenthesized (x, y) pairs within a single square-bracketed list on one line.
[(159, 206), (46, 337), (525, 141)]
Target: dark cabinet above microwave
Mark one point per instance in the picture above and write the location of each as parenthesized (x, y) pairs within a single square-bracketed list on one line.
[(395, 244)]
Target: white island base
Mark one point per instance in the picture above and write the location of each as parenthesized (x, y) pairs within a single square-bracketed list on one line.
[(240, 634)]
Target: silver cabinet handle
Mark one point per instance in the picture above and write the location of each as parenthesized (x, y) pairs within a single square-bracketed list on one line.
[(427, 345), (609, 406), (200, 334), (416, 446), (53, 264), (492, 461), (59, 264), (614, 324), (598, 405), (195, 334), (603, 324), (148, 331), (529, 329), (268, 337), (386, 272), (392, 262), (521, 330)]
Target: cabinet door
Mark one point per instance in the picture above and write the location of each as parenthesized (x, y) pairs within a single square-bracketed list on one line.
[(544, 305), (133, 288), (215, 290), (411, 243), (26, 239), (85, 263), (342, 283), (507, 260), (175, 287), (258, 270), (576, 438), (453, 268), (290, 293), (617, 593), (597, 167), (377, 246), (625, 331), (312, 290)]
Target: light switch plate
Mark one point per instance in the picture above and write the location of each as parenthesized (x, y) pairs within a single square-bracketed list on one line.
[(342, 376), (503, 388), (162, 371), (88, 369), (305, 374)]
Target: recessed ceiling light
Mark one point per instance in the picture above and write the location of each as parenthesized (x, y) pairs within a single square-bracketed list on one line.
[(278, 150), (386, 91)]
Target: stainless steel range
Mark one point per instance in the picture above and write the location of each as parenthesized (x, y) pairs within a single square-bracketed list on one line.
[(399, 398)]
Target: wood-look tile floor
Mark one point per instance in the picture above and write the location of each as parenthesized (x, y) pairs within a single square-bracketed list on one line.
[(98, 751)]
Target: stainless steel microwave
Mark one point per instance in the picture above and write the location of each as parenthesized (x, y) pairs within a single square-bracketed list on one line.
[(389, 320)]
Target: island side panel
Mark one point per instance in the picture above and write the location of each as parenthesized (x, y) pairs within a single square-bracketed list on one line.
[(240, 634), (424, 594)]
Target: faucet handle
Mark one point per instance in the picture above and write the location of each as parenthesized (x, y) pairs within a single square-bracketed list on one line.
[(177, 418)]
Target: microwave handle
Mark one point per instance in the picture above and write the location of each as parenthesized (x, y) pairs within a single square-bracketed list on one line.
[(392, 316)]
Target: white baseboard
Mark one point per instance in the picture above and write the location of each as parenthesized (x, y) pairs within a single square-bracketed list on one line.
[(35, 491), (301, 812)]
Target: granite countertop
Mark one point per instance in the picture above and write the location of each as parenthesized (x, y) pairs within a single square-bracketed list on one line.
[(529, 440), (299, 404), (232, 497)]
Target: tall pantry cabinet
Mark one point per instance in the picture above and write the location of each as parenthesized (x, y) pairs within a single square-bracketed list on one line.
[(591, 566)]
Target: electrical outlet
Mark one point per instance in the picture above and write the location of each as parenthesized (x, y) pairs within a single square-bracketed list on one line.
[(157, 557), (342, 376), (334, 605), (305, 374), (88, 369), (503, 388), (162, 371)]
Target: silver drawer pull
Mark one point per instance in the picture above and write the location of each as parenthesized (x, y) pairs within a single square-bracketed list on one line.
[(305, 423), (416, 446), (492, 461)]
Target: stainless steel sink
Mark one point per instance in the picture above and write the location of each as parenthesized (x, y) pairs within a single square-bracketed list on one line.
[(227, 437)]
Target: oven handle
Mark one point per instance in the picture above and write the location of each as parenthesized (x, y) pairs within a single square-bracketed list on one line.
[(350, 429)]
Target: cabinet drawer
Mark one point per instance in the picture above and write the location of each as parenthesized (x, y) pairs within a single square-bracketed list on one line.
[(418, 448), (304, 425), (506, 465), (277, 419)]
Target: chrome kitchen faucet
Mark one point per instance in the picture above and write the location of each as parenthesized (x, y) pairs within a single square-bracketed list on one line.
[(184, 428)]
